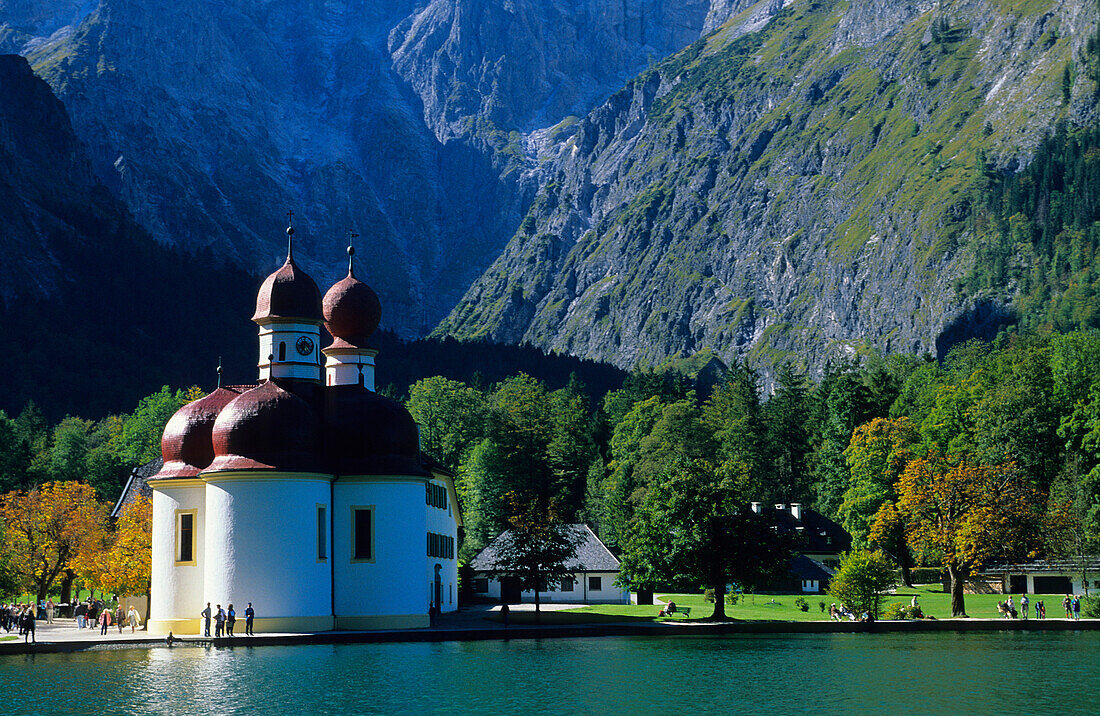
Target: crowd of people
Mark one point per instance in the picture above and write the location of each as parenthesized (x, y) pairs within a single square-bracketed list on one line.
[(94, 613), (1071, 604), (21, 616)]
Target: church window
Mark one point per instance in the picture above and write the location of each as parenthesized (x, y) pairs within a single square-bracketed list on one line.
[(362, 534), (282, 350), (322, 533), (185, 536)]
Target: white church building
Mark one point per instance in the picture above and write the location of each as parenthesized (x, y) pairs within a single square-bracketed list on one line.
[(305, 494)]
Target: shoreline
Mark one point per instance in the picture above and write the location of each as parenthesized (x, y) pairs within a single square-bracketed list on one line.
[(565, 631)]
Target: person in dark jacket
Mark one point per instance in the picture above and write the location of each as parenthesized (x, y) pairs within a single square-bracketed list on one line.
[(249, 614), (230, 620), (28, 626), (205, 613)]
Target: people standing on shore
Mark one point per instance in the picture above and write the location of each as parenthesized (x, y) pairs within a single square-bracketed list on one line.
[(230, 620), (28, 625), (1066, 603), (80, 614), (249, 614), (219, 622), (1040, 609), (132, 617), (50, 606), (1023, 605), (119, 617), (205, 613), (1076, 607), (104, 621)]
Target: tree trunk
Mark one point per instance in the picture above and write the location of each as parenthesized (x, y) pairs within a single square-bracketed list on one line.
[(958, 609), (904, 561), (538, 609), (719, 602), (67, 587)]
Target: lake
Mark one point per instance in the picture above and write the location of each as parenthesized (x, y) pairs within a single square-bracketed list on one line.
[(1032, 672)]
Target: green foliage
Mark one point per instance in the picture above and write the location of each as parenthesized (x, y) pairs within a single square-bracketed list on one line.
[(695, 526), (139, 440), (862, 579), (898, 612), (802, 604)]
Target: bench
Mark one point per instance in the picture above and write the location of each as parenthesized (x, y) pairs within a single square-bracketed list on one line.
[(686, 611)]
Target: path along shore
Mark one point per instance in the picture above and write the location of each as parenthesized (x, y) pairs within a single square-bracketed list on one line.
[(471, 624)]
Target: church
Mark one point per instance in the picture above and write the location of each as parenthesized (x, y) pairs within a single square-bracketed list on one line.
[(305, 494)]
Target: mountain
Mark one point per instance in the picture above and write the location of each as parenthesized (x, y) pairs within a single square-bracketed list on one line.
[(417, 126), (809, 181), (95, 313)]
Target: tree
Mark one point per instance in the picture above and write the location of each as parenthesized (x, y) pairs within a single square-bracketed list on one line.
[(733, 415), (49, 526), (124, 564), (138, 441), (696, 527), (961, 514), (451, 416), (537, 549), (876, 455), (785, 415), (861, 580)]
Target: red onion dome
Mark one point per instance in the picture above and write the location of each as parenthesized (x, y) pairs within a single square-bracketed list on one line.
[(352, 310), (288, 293), (186, 444), (368, 434), (266, 428)]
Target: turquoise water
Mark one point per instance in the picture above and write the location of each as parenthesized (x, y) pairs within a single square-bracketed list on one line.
[(843, 673)]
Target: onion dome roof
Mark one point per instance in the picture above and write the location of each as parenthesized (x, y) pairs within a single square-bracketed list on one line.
[(288, 293), (266, 428), (352, 310), (186, 445), (368, 434)]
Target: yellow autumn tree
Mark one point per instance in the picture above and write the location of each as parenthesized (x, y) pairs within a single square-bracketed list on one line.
[(46, 528), (962, 513), (122, 563)]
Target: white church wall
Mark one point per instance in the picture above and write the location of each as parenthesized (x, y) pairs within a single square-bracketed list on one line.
[(382, 591), (262, 548), (442, 521), (177, 589)]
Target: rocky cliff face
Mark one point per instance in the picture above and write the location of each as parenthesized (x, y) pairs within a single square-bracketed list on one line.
[(800, 183), (416, 126)]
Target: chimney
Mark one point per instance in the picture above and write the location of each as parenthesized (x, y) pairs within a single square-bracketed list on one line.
[(796, 510), (757, 507)]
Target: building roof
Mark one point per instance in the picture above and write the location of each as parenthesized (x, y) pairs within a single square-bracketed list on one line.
[(805, 568), (592, 554), (817, 533), (136, 485), (1090, 563)]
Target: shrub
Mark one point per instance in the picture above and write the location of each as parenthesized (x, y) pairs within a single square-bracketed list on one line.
[(821, 606), (732, 599), (926, 575), (898, 611), (801, 603), (1090, 607), (708, 596), (862, 579)]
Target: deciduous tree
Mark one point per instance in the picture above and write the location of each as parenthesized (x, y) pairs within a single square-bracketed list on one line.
[(861, 580), (961, 514), (47, 527), (697, 527)]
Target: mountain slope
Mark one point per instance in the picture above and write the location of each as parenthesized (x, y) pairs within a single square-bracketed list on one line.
[(804, 181), (407, 123)]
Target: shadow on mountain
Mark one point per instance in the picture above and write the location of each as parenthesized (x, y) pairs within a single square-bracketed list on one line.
[(984, 320)]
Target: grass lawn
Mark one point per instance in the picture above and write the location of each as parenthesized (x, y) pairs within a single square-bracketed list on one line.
[(933, 600)]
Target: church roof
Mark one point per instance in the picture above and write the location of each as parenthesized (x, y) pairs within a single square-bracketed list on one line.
[(592, 554), (136, 485), (289, 293)]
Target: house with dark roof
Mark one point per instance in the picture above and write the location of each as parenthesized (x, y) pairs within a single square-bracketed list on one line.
[(594, 569), (820, 542)]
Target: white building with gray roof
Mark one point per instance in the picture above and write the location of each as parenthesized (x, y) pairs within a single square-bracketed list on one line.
[(594, 569)]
